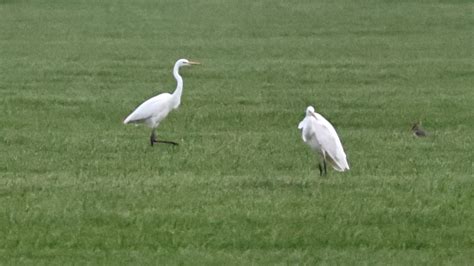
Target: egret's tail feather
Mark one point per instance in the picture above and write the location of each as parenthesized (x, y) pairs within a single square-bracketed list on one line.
[(340, 164), (130, 119), (340, 169)]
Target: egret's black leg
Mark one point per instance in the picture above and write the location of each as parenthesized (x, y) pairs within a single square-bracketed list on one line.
[(325, 169), (152, 137), (154, 140), (320, 169), (167, 142)]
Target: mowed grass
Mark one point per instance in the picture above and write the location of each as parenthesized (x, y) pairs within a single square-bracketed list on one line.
[(79, 187)]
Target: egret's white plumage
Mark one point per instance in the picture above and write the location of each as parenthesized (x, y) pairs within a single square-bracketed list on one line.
[(154, 110), (321, 136)]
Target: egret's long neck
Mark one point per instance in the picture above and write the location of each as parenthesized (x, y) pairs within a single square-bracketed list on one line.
[(179, 87)]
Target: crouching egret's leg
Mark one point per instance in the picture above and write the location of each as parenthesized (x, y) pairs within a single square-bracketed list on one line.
[(325, 169), (154, 140), (320, 169)]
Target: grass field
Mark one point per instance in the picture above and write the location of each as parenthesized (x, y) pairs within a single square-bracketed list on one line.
[(79, 187)]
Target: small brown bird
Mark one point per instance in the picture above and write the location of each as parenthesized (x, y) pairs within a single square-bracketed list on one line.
[(418, 131)]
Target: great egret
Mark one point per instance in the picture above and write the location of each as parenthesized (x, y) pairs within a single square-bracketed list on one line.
[(154, 110), (321, 136)]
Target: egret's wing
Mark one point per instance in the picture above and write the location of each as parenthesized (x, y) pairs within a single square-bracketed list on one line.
[(307, 129), (302, 123), (301, 126), (329, 140), (147, 109)]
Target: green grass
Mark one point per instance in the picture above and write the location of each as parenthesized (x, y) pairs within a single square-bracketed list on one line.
[(79, 187)]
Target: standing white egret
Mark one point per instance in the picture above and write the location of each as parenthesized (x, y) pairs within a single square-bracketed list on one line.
[(321, 136), (154, 110)]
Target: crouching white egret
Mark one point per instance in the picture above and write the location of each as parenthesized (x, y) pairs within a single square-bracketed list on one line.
[(321, 136), (154, 110)]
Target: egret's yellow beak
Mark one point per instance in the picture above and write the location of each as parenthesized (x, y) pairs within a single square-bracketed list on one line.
[(193, 63)]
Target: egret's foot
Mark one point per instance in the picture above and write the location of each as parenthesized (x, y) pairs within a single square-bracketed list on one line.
[(153, 141), (167, 142)]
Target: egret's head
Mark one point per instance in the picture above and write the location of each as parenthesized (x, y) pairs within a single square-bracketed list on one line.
[(185, 62), (310, 110)]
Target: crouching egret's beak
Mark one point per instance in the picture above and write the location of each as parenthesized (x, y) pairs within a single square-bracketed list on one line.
[(193, 63)]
